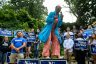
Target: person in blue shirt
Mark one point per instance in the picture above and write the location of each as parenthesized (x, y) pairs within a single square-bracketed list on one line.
[(50, 33), (17, 46)]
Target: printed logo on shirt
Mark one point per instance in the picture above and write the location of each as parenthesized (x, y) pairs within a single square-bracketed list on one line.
[(18, 40)]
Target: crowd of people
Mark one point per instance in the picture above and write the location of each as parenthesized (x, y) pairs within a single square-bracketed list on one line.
[(70, 37), (52, 40), (17, 45)]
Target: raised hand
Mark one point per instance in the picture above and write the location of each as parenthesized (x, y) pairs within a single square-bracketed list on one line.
[(56, 20), (55, 17)]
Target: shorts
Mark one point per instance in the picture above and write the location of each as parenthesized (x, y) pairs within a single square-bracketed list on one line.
[(29, 44), (94, 57), (15, 56), (71, 50)]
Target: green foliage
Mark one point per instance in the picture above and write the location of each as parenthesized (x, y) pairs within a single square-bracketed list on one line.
[(34, 7), (22, 15), (65, 25), (6, 13), (84, 10), (18, 15)]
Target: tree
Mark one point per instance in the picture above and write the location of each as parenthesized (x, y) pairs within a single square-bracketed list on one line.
[(34, 7), (19, 17), (84, 10)]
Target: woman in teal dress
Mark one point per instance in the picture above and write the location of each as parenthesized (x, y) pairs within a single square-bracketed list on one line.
[(50, 35)]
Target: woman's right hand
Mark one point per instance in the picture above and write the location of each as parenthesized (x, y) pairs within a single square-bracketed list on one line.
[(56, 20)]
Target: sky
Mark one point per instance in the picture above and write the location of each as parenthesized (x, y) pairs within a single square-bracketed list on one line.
[(68, 17)]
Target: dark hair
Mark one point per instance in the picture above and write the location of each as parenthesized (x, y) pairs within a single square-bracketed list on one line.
[(58, 6), (79, 35), (18, 32)]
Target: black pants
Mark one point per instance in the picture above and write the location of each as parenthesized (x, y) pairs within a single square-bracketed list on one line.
[(36, 50), (81, 62), (2, 57), (80, 56)]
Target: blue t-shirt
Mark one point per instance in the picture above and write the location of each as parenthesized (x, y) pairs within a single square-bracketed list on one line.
[(18, 42)]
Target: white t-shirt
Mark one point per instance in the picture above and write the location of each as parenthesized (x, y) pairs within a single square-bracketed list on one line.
[(68, 44), (94, 42)]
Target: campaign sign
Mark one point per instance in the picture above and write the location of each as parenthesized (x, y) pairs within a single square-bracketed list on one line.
[(31, 37), (57, 61), (7, 57), (84, 35), (25, 34), (88, 32), (28, 61), (81, 44), (6, 33), (93, 49)]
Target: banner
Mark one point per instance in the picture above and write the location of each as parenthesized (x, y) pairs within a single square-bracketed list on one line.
[(41, 61), (80, 44), (57, 61), (28, 61), (93, 49), (31, 37), (6, 33), (88, 32)]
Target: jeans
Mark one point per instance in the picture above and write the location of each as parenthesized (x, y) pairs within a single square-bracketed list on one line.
[(2, 57)]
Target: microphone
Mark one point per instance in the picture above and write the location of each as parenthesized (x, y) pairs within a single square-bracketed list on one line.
[(61, 14)]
